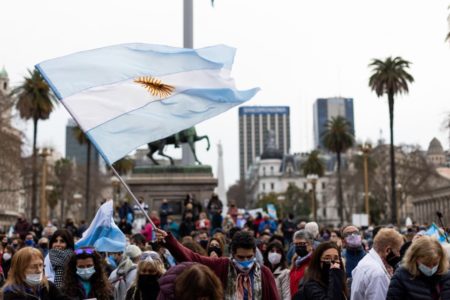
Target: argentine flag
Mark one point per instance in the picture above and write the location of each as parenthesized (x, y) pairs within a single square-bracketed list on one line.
[(127, 95)]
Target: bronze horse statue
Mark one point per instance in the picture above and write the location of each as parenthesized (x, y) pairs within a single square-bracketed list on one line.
[(185, 136)]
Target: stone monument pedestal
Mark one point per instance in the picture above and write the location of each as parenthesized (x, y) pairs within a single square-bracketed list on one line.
[(154, 183)]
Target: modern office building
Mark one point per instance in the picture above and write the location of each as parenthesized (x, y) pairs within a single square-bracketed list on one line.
[(255, 123), (78, 152), (327, 108)]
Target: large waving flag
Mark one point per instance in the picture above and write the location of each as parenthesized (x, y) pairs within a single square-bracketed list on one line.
[(436, 232), (103, 234), (125, 96)]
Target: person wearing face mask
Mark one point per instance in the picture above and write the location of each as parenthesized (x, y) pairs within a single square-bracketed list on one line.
[(242, 277), (26, 278), (149, 270), (423, 274), (124, 275), (353, 250), (8, 253), (303, 242), (325, 276), (85, 277), (371, 277), (275, 260), (215, 247), (29, 240)]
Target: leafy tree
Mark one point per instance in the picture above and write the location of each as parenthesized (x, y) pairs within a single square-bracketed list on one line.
[(390, 77), (64, 173), (313, 165), (337, 138), (35, 102), (296, 201)]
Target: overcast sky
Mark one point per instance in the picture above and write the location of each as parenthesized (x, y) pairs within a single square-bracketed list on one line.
[(295, 51)]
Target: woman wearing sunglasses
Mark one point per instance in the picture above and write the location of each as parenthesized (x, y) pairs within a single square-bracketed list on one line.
[(26, 278), (325, 277), (85, 277)]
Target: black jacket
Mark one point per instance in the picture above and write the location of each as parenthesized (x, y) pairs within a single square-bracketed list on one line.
[(313, 290), (404, 286), (52, 293)]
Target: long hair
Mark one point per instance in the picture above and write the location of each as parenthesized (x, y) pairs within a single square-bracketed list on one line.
[(277, 245), (152, 262), (314, 271), (100, 284), (427, 249), (198, 281), (220, 242), (20, 261), (65, 235)]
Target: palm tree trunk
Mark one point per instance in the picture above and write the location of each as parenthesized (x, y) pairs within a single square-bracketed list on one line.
[(392, 156), (339, 190), (88, 181), (34, 171)]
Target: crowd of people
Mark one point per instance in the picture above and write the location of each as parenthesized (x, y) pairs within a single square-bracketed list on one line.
[(241, 256)]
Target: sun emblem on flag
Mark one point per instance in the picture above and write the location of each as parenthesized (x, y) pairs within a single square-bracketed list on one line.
[(155, 86)]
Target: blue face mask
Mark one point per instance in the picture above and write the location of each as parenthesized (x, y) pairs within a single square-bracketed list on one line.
[(29, 243), (85, 273), (428, 271), (112, 261), (244, 265)]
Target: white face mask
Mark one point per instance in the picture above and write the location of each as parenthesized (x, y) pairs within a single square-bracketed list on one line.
[(428, 271), (6, 256), (274, 258), (85, 273), (33, 279)]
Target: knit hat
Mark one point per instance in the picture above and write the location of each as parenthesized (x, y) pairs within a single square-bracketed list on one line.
[(133, 251)]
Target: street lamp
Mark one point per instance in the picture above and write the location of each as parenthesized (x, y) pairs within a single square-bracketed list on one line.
[(45, 152), (366, 148), (115, 182), (312, 178)]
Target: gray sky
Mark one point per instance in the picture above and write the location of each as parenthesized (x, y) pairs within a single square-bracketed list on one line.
[(296, 51)]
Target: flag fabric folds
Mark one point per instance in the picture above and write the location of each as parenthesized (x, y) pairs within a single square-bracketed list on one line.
[(103, 233), (106, 91), (439, 234)]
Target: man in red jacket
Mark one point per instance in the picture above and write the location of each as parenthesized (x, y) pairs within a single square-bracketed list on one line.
[(242, 276)]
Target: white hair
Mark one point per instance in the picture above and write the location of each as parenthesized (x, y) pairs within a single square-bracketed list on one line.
[(312, 228)]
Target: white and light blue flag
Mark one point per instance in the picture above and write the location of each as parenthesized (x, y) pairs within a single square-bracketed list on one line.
[(103, 233), (436, 232), (125, 96)]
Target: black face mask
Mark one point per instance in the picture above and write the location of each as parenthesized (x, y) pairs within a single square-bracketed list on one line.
[(148, 285), (203, 243), (325, 271), (301, 251), (4, 244), (393, 260), (215, 249)]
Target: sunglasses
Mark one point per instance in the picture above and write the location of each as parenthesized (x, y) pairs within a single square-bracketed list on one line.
[(89, 251)]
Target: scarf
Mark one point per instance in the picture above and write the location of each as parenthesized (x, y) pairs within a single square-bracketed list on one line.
[(59, 259), (300, 260), (237, 282)]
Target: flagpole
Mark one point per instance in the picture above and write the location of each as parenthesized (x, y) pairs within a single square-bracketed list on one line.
[(132, 195)]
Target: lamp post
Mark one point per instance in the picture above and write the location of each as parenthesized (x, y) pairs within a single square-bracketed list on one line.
[(365, 149), (77, 199), (43, 197), (115, 182), (312, 178), (399, 189)]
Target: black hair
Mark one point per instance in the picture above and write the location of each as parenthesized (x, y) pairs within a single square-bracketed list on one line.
[(244, 240), (138, 238), (275, 244), (65, 235), (277, 238), (233, 231)]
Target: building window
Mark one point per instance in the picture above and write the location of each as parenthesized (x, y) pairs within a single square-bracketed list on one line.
[(271, 170), (272, 186), (324, 212), (305, 186), (323, 185), (263, 186), (264, 171)]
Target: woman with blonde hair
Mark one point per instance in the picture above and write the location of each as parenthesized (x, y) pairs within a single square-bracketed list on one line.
[(26, 278), (423, 273), (149, 270)]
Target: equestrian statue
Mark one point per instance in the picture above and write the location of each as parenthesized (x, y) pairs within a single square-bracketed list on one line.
[(185, 136)]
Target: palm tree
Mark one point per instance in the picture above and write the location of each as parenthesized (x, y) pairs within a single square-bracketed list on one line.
[(390, 77), (313, 165), (82, 139), (36, 102), (337, 138)]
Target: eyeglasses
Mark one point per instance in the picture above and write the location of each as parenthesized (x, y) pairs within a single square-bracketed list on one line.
[(301, 244), (346, 234), (88, 251)]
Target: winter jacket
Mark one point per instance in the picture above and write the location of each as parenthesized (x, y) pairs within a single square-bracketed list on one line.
[(405, 286), (167, 282), (52, 293), (370, 278), (122, 278), (282, 281), (220, 267), (352, 258), (297, 273), (313, 290)]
